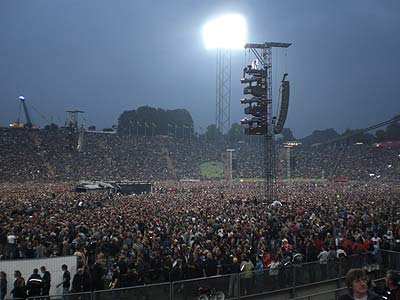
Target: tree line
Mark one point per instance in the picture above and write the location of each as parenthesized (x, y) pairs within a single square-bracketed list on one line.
[(149, 121)]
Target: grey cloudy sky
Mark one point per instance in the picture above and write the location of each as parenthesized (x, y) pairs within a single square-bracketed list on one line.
[(105, 57)]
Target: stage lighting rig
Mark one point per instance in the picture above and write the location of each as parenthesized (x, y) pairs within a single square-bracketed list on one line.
[(258, 79), (257, 105)]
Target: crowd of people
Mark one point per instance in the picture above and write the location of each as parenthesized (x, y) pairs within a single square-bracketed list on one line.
[(186, 230), (35, 286), (196, 229), (355, 162), (54, 155)]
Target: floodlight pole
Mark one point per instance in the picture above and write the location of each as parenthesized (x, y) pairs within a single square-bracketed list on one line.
[(263, 53), (223, 90)]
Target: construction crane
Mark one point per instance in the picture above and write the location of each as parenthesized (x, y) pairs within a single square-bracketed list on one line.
[(18, 123)]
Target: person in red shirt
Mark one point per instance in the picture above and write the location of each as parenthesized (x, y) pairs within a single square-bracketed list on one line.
[(266, 259), (347, 244), (359, 247), (318, 244)]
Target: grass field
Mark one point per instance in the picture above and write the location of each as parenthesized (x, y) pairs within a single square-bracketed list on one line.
[(282, 180), (215, 169), (212, 169), (303, 180)]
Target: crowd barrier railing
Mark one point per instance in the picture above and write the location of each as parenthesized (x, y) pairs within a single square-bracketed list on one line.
[(160, 291), (215, 286), (333, 294), (68, 296), (287, 279)]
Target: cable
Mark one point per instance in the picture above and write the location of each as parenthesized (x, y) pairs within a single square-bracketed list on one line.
[(375, 126), (40, 114)]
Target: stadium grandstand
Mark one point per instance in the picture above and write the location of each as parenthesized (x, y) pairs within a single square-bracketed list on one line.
[(190, 228)]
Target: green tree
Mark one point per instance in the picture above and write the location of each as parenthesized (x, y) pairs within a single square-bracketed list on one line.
[(212, 133), (380, 135), (393, 132), (146, 120), (51, 127), (320, 136), (357, 136), (236, 132), (287, 135)]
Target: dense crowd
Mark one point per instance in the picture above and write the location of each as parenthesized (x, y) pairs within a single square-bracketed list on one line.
[(196, 229), (185, 230), (356, 162), (41, 155)]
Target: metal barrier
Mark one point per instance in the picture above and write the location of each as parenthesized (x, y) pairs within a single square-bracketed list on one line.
[(69, 296), (160, 291), (390, 260), (332, 294), (219, 287), (288, 279), (328, 295)]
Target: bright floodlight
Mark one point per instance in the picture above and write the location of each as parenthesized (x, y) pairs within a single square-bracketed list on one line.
[(21, 98), (225, 32)]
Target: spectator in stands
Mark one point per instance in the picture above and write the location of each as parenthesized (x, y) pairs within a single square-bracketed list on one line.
[(34, 284), (210, 265), (66, 281), (392, 281), (234, 268), (274, 271), (116, 277), (40, 251), (323, 263), (19, 290), (357, 283), (46, 281), (11, 246), (246, 268), (81, 282), (98, 273)]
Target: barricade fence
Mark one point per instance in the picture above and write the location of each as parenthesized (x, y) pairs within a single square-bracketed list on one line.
[(333, 294), (160, 291), (69, 296), (288, 279)]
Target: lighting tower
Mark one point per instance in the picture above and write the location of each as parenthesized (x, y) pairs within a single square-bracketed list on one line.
[(223, 90), (258, 76), (223, 34), (28, 123)]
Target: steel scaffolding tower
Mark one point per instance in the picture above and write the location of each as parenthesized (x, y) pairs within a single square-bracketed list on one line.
[(72, 118), (263, 54), (223, 90)]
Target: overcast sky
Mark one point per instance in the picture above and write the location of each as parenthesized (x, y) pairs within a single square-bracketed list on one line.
[(105, 57)]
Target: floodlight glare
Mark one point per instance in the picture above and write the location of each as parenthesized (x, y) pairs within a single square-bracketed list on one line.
[(225, 32), (21, 98)]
